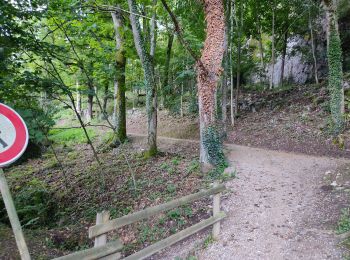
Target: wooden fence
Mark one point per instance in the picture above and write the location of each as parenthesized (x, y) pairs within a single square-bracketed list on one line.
[(111, 250)]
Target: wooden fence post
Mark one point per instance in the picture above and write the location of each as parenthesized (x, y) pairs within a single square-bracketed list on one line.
[(13, 217), (216, 212), (101, 240), (101, 218)]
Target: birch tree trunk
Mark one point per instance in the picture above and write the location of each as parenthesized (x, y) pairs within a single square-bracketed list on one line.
[(147, 65), (208, 72), (119, 83)]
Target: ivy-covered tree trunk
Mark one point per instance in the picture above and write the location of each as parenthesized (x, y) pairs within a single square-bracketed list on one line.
[(272, 79), (208, 72), (335, 74), (226, 67), (119, 84), (239, 24), (150, 85)]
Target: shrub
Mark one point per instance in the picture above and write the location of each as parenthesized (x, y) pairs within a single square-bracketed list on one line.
[(34, 204)]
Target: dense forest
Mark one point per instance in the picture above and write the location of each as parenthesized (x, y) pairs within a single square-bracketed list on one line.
[(131, 104)]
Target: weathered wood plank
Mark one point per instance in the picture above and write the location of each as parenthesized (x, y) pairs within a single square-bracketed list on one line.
[(146, 213), (101, 218), (95, 252), (148, 251), (115, 256)]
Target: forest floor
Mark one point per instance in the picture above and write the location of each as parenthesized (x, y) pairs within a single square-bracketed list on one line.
[(280, 206)]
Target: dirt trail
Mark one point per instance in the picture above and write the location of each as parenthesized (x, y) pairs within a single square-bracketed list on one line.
[(276, 210)]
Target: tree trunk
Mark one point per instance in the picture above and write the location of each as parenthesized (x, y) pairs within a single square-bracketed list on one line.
[(208, 72), (224, 93), (273, 47), (147, 65), (231, 66), (89, 114), (335, 74), (167, 66), (284, 53), (313, 49), (105, 99), (119, 83), (226, 68), (181, 100), (78, 98), (261, 48), (239, 21)]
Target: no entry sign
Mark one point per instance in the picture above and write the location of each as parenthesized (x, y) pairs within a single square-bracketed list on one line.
[(13, 136), (13, 143)]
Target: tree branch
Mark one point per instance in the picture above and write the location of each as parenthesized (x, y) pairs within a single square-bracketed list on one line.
[(179, 33)]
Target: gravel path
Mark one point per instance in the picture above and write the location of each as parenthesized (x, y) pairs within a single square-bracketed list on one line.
[(276, 210)]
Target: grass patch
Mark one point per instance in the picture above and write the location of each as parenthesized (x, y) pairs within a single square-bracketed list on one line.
[(70, 136), (344, 221)]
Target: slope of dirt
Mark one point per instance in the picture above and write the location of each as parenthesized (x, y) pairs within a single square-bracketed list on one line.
[(295, 120), (278, 208)]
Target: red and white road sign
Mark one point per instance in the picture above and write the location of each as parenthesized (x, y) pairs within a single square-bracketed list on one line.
[(13, 136)]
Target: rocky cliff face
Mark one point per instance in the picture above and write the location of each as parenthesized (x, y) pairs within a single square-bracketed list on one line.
[(299, 66)]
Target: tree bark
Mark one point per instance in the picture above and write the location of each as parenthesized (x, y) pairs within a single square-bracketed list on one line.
[(105, 98), (166, 67), (284, 53), (119, 83), (208, 72), (150, 84), (226, 68), (78, 97), (231, 66), (335, 74), (313, 49), (273, 46), (89, 114), (239, 21)]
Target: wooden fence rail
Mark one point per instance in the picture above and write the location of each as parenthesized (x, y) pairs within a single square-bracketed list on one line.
[(149, 212), (111, 250)]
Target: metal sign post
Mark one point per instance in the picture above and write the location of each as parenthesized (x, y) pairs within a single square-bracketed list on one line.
[(13, 142)]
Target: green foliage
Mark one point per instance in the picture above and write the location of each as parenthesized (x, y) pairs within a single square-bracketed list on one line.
[(209, 240), (213, 146), (193, 167), (70, 136), (35, 205), (335, 78), (344, 221), (37, 121)]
